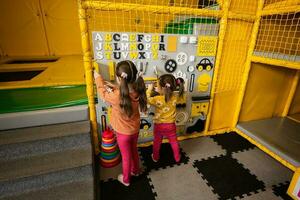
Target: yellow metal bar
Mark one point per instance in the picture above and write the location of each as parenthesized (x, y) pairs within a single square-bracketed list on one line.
[(281, 10), (195, 135), (88, 67), (223, 25), (247, 63), (291, 94), (276, 62), (238, 16), (263, 148), (293, 184), (150, 8)]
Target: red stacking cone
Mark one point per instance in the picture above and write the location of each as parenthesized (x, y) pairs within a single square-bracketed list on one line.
[(110, 154)]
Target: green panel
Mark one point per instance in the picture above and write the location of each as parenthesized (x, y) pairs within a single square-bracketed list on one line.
[(186, 26), (28, 99)]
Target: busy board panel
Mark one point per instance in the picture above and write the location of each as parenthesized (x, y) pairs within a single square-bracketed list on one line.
[(189, 57)]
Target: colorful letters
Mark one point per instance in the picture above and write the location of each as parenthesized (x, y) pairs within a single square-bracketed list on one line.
[(120, 46)]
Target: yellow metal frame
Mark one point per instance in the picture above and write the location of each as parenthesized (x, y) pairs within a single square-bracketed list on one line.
[(245, 17), (276, 62), (88, 68), (150, 8), (224, 14), (293, 183), (281, 10), (195, 135), (266, 150), (86, 48)]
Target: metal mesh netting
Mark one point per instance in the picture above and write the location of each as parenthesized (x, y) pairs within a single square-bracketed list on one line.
[(278, 34), (154, 16), (279, 37), (259, 31)]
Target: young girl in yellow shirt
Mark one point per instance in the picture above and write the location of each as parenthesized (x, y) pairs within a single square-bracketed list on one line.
[(165, 112)]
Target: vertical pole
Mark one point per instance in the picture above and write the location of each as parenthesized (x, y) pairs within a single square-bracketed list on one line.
[(222, 32), (291, 94), (248, 63), (88, 68)]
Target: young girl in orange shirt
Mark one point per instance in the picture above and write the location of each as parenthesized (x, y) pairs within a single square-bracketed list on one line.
[(127, 100)]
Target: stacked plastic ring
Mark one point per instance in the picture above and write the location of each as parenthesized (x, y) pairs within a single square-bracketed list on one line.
[(110, 154)]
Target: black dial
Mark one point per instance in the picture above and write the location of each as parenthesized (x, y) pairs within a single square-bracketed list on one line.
[(170, 65)]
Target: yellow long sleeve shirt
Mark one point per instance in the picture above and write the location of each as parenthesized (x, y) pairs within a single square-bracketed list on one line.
[(165, 112)]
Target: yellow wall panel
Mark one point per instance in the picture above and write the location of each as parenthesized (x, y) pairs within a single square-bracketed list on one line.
[(295, 107), (231, 69), (21, 28), (222, 112), (266, 92), (62, 26)]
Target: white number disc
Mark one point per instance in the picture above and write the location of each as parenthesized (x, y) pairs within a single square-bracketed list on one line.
[(181, 58)]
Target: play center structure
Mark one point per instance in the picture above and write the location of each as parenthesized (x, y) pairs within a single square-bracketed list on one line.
[(239, 60)]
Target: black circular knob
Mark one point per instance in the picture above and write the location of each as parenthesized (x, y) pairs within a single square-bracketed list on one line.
[(170, 65)]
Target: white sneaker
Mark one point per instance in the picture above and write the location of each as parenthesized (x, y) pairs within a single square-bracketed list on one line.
[(120, 179), (153, 158)]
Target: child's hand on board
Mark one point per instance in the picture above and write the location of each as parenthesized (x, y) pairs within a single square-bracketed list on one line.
[(109, 84), (96, 74), (150, 87)]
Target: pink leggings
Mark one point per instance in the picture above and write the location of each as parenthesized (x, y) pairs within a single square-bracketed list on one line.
[(130, 155), (167, 130)]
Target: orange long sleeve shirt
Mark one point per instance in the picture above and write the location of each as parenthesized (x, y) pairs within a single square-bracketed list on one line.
[(119, 121)]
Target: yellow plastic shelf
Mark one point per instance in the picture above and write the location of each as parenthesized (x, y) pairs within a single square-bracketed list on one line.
[(67, 70), (276, 62), (266, 150)]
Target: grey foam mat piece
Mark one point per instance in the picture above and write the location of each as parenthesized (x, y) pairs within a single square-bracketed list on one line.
[(43, 164), (82, 190), (45, 181), (264, 166), (180, 182), (43, 117), (14, 136), (27, 149), (267, 194), (280, 135), (201, 148)]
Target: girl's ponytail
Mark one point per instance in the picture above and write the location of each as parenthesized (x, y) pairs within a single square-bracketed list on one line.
[(180, 83), (125, 101), (128, 74), (168, 82), (168, 93), (140, 88)]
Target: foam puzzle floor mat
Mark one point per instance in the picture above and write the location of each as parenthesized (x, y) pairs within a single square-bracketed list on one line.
[(218, 167)]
